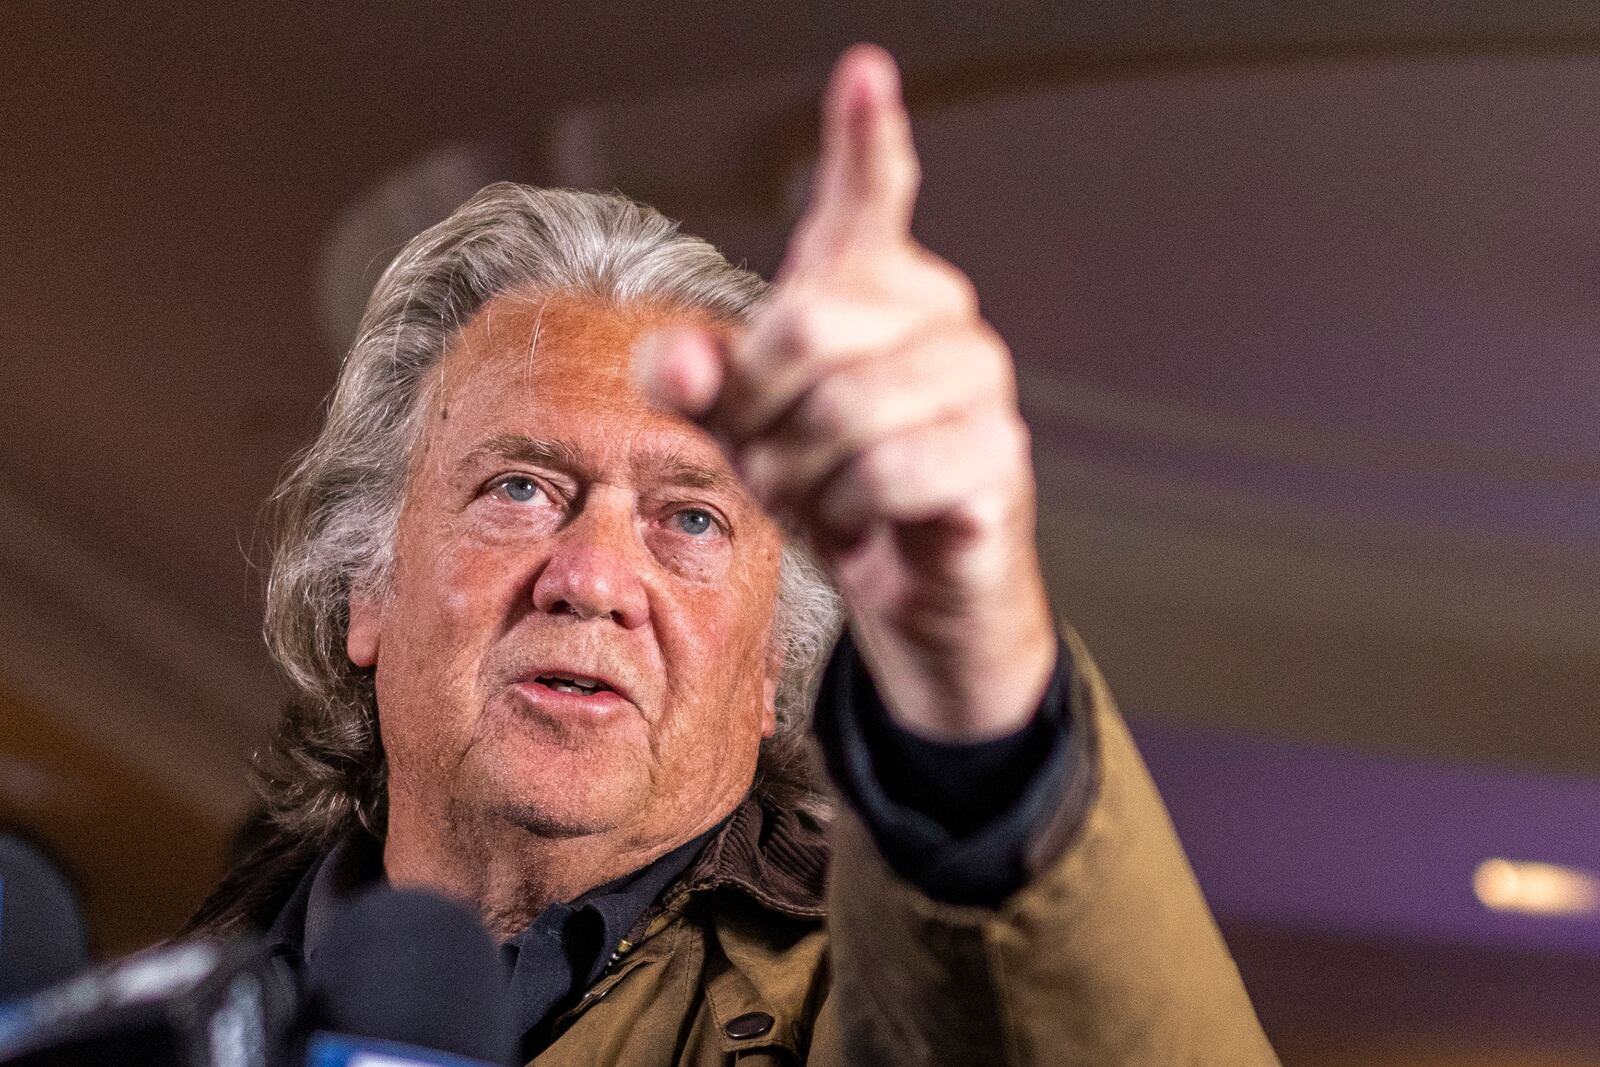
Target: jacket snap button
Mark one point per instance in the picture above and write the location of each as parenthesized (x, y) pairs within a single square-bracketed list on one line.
[(750, 1024)]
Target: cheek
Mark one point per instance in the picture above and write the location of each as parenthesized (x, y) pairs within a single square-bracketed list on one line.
[(753, 596), (450, 599), (468, 578), (716, 640), (429, 691)]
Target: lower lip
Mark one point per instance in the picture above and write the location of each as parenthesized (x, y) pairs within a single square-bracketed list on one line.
[(598, 704)]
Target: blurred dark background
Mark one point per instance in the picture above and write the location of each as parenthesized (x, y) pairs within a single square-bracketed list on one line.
[(1304, 302)]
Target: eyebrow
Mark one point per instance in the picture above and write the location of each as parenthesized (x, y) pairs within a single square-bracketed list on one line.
[(669, 466), (524, 449), (674, 468)]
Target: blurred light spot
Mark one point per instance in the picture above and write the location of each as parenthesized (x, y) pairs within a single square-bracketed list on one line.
[(1535, 888)]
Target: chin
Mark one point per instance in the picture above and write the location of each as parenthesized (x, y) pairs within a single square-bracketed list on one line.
[(564, 819), (563, 797)]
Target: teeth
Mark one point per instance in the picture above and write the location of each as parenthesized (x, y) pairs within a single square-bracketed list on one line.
[(563, 683)]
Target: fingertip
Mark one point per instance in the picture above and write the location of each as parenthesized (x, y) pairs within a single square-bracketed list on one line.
[(679, 370), (865, 75), (873, 68)]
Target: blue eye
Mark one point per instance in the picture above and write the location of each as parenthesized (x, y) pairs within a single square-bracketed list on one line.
[(694, 521), (520, 490)]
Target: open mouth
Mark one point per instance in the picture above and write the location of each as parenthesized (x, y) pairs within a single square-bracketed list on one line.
[(573, 683)]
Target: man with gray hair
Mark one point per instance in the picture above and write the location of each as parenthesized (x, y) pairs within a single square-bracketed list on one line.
[(544, 588)]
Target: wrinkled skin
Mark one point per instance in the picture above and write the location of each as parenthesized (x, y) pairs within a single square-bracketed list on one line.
[(623, 549)]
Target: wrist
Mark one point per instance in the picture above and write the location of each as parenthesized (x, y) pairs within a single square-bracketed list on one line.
[(986, 686)]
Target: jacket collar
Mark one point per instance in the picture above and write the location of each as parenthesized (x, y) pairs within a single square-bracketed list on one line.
[(779, 858)]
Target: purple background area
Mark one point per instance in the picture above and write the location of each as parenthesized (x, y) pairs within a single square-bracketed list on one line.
[(1396, 258), (1343, 843)]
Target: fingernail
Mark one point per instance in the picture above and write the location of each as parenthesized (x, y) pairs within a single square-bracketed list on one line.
[(755, 470), (878, 75), (646, 367)]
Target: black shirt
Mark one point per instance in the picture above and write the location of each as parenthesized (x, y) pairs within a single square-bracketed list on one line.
[(569, 945)]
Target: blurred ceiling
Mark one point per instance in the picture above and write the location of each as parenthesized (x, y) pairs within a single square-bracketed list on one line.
[(1303, 301)]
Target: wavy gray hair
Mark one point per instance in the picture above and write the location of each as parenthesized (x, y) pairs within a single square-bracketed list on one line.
[(333, 515)]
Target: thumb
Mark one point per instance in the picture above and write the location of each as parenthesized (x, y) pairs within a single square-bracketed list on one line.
[(680, 369)]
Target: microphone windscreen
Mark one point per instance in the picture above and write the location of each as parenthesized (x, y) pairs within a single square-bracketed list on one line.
[(42, 935), (411, 967)]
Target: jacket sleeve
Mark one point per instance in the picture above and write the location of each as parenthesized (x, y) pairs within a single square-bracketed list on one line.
[(1107, 956), (955, 820)]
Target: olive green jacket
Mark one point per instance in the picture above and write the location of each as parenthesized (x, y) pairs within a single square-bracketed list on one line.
[(770, 952)]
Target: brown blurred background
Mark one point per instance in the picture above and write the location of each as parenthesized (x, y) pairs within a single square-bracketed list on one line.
[(1304, 305)]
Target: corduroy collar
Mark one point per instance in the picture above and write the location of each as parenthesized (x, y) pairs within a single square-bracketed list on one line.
[(777, 858)]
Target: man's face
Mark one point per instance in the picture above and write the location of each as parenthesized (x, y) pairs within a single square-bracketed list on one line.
[(558, 532)]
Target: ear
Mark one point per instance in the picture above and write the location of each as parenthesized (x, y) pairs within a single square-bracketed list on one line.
[(769, 691), (361, 638), (769, 707)]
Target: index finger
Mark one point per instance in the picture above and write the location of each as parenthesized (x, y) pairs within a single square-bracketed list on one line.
[(867, 173)]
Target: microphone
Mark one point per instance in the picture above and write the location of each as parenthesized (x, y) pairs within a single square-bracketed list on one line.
[(191, 1005), (402, 979), (42, 937), (413, 977)]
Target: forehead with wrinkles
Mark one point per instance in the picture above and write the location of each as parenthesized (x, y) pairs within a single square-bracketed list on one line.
[(562, 340), (527, 359)]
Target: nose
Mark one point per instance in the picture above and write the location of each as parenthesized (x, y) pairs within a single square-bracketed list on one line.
[(595, 569)]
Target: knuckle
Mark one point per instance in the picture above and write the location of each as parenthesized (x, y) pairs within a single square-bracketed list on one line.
[(904, 175), (987, 514), (1015, 439), (976, 353), (1002, 373), (962, 294), (951, 285), (999, 436)]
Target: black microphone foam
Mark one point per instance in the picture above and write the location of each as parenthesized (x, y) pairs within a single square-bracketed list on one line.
[(193, 1004), (411, 967), (42, 936)]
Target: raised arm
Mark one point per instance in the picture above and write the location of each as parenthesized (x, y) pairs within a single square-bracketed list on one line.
[(871, 406)]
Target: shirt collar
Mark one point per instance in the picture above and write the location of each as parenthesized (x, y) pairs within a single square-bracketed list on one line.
[(354, 863), (620, 902)]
